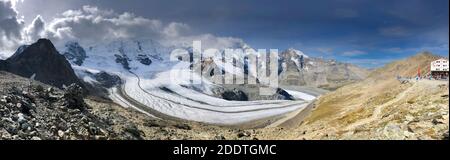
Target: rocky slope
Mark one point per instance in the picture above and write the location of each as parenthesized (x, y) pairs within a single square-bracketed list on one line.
[(42, 60), (382, 107), (30, 110), (379, 107), (297, 69)]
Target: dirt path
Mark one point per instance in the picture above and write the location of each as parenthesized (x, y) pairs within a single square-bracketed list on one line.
[(377, 113)]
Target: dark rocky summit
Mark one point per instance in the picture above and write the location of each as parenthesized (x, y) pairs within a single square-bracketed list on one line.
[(42, 60)]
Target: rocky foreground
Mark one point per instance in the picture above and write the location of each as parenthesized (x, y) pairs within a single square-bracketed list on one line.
[(380, 107), (30, 110), (39, 112)]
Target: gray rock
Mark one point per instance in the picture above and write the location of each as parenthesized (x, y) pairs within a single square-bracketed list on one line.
[(36, 138), (73, 96), (183, 126), (219, 137), (235, 95), (243, 134), (61, 117), (133, 131), (123, 60), (393, 132), (144, 59), (4, 134), (61, 133), (107, 80)]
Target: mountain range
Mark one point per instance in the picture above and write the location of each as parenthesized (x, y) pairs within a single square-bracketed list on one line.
[(137, 74)]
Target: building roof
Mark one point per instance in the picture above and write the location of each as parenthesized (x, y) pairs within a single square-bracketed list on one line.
[(440, 59)]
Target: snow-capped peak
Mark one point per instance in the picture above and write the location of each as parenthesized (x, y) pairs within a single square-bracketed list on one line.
[(297, 52)]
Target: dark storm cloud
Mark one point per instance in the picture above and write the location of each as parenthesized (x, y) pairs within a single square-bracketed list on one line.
[(10, 26), (342, 29)]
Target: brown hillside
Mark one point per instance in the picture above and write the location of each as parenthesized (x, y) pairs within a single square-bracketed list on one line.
[(407, 67), (375, 87), (372, 108)]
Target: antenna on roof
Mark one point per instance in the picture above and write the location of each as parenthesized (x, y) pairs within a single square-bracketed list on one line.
[(33, 76)]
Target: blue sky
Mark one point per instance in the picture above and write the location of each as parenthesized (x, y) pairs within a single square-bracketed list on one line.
[(368, 33)]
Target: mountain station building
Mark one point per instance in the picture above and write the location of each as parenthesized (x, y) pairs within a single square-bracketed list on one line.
[(439, 69)]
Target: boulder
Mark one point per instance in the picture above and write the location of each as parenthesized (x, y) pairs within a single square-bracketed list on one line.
[(235, 95), (73, 96), (107, 80)]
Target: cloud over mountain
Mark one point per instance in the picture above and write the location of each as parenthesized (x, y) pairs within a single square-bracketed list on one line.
[(10, 26), (91, 24), (36, 29)]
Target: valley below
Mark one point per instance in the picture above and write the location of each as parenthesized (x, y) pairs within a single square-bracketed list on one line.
[(126, 90)]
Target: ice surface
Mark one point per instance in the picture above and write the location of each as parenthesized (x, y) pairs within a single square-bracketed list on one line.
[(159, 86)]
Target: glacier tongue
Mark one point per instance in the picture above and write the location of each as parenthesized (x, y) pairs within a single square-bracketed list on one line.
[(149, 88)]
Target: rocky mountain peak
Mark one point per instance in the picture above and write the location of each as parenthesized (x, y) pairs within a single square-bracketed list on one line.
[(42, 60), (296, 68), (295, 53), (43, 47)]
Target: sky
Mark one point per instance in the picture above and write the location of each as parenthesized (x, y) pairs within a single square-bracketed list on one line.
[(367, 33)]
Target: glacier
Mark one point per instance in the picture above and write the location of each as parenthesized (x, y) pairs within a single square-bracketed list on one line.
[(151, 85)]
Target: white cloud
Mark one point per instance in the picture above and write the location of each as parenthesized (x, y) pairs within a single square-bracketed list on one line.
[(325, 50), (395, 31), (36, 29), (369, 63), (175, 29), (91, 24), (394, 50), (353, 53), (10, 26), (13, 3)]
